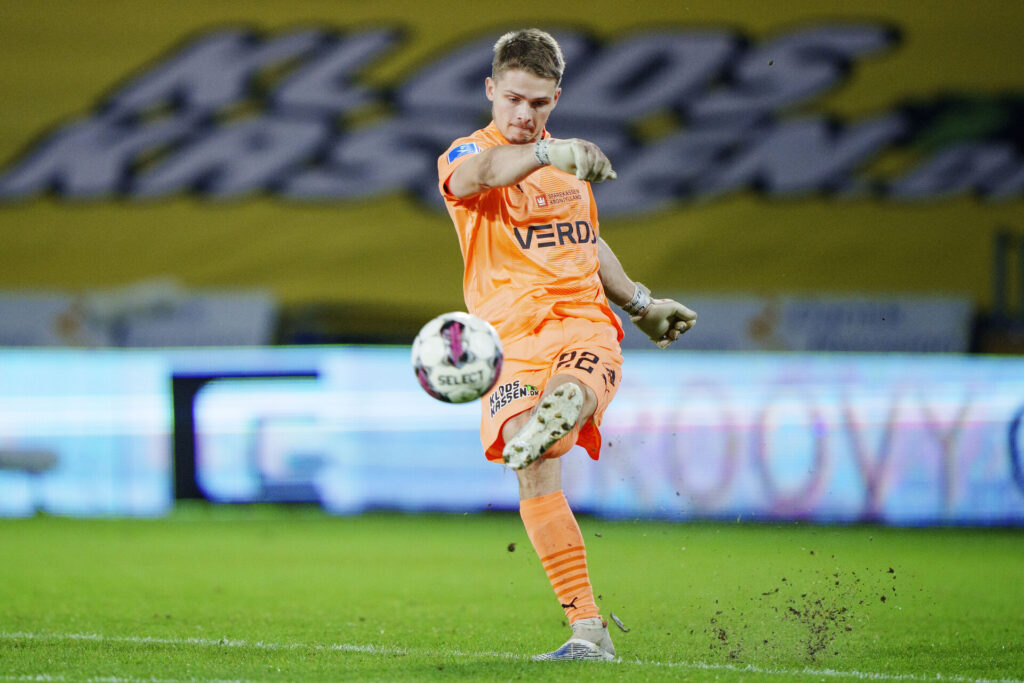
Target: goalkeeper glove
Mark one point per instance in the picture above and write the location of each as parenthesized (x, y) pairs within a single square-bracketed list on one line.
[(580, 157), (662, 320)]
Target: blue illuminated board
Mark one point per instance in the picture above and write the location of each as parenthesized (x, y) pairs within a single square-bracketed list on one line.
[(899, 439), (84, 433)]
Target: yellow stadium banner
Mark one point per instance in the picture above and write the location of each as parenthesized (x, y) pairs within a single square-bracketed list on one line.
[(768, 148)]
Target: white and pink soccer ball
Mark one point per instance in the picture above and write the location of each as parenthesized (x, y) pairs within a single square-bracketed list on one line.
[(457, 357)]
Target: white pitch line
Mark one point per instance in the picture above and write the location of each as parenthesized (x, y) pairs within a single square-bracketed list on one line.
[(387, 650)]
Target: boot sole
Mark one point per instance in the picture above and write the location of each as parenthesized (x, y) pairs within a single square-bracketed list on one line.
[(554, 418)]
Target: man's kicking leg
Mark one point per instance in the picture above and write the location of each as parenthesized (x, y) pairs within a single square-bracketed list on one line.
[(549, 521)]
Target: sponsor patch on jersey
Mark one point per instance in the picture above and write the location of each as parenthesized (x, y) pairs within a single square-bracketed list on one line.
[(462, 150), (542, 200), (570, 195)]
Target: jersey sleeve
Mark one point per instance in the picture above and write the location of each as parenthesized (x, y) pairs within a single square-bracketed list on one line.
[(458, 153)]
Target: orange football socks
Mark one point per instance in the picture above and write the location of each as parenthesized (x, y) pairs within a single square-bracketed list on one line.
[(556, 537)]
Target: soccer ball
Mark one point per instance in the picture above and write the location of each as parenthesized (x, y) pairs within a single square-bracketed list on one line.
[(457, 357)]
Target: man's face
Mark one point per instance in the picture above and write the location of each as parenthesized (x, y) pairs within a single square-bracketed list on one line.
[(521, 104)]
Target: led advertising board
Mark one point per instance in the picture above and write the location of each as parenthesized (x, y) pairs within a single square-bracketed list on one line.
[(892, 438)]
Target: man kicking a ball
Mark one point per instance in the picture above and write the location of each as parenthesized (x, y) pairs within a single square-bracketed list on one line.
[(537, 269)]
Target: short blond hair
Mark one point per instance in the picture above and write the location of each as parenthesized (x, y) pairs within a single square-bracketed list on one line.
[(530, 50)]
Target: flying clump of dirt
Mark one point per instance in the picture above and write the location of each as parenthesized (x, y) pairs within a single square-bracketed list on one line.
[(821, 620), (721, 635), (806, 613)]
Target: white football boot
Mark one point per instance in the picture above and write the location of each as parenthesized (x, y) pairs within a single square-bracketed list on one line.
[(590, 640), (554, 418)]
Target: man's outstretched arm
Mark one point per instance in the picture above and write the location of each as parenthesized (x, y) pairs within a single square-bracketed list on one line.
[(499, 166), (506, 165), (662, 320)]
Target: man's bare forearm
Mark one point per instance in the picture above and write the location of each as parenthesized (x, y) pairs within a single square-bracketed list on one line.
[(500, 166), (617, 285)]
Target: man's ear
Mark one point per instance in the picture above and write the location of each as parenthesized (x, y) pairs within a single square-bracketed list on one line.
[(558, 94), (489, 88)]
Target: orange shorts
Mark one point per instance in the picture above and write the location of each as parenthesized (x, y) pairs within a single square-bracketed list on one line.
[(587, 350)]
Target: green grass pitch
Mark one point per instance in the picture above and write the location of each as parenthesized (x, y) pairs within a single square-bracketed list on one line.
[(268, 593)]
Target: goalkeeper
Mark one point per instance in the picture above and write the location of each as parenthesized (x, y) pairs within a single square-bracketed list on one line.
[(537, 269)]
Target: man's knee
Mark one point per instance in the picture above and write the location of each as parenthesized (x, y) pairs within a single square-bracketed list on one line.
[(514, 424)]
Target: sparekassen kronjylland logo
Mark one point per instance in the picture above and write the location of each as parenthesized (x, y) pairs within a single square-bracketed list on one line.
[(232, 114)]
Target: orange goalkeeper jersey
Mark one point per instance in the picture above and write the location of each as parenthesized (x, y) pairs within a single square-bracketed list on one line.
[(530, 250)]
